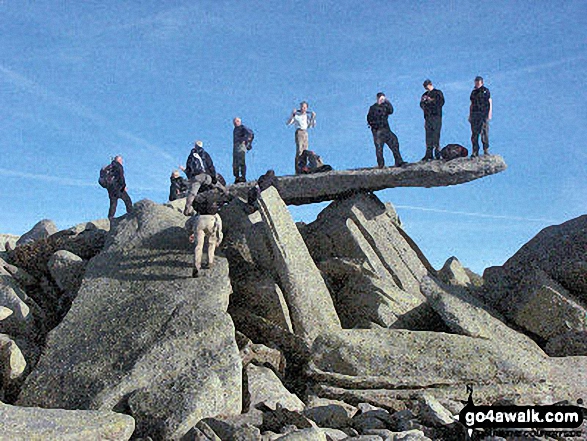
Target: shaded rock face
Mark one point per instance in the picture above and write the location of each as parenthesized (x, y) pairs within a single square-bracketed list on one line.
[(40, 230), (542, 288), (374, 268), (142, 336), (310, 305), (25, 424)]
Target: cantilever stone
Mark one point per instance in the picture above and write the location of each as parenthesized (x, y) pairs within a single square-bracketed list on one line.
[(319, 187)]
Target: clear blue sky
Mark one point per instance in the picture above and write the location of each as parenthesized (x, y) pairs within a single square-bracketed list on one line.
[(82, 81)]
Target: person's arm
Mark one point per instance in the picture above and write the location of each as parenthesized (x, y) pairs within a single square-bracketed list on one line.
[(292, 117), (388, 107), (440, 99), (490, 115), (312, 120), (423, 101)]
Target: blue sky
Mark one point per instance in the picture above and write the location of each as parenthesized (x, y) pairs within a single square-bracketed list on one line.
[(83, 81)]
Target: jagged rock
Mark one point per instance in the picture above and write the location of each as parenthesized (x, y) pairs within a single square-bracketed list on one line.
[(246, 433), (9, 239), (311, 434), (5, 312), (329, 413), (306, 189), (226, 426), (204, 428), (334, 434), (310, 305), (251, 266), (13, 297), (546, 309), (40, 230), (12, 362), (385, 287), (410, 435), (396, 359), (567, 344), (432, 413), (465, 315), (144, 336), (384, 434), (454, 273), (278, 419), (267, 391), (25, 424), (67, 270), (263, 355), (99, 224)]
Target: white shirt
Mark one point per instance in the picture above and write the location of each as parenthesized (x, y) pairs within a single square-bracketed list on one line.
[(302, 120)]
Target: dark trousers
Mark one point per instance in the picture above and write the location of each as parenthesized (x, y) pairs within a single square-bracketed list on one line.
[(433, 125), (114, 202), (386, 136), (479, 126)]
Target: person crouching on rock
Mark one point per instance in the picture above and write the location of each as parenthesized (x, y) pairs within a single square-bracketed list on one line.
[(178, 187), (204, 224), (263, 183)]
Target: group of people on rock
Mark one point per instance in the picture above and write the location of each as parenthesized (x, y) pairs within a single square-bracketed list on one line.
[(202, 176)]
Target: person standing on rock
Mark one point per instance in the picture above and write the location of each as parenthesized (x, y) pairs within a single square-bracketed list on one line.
[(431, 103), (303, 121), (117, 187), (199, 170), (242, 141), (480, 113), (206, 224), (377, 119)]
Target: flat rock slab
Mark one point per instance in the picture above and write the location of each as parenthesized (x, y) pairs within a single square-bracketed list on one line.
[(36, 424), (319, 187)]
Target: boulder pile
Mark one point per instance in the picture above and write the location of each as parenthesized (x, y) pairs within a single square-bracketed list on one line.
[(338, 329)]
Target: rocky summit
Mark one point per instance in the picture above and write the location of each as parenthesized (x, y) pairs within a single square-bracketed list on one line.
[(338, 329)]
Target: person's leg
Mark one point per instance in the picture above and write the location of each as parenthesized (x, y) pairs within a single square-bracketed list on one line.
[(212, 241), (194, 187), (235, 163), (475, 131), (127, 201), (378, 149), (485, 137), (241, 168), (301, 145), (436, 129), (393, 144), (429, 140), (198, 250), (113, 204)]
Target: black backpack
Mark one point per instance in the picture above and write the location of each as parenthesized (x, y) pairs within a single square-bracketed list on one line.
[(106, 178), (453, 151)]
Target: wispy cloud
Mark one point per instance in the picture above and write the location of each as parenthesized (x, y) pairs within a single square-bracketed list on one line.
[(78, 110), (463, 84), (482, 215), (59, 180)]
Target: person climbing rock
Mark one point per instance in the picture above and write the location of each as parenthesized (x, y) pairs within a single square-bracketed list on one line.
[(200, 171), (116, 186), (206, 224)]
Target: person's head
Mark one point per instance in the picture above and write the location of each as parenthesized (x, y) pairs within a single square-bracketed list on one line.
[(175, 174), (270, 172), (428, 85), (237, 121), (478, 82), (380, 97), (199, 144), (118, 159), (303, 106)]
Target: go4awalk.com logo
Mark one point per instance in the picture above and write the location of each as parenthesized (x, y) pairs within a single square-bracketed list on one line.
[(501, 420)]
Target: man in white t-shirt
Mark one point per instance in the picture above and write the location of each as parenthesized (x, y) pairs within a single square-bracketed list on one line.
[(303, 121)]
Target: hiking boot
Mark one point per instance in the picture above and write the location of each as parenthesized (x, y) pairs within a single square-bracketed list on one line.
[(426, 159), (401, 164), (486, 151), (437, 153), (195, 273)]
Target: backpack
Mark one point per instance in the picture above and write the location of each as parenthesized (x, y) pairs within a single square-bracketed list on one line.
[(106, 178), (453, 151)]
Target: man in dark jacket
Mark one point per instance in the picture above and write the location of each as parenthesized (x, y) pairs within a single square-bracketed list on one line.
[(200, 171), (480, 113), (178, 187), (117, 188), (431, 103), (242, 141), (382, 134)]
